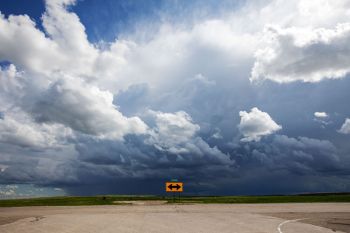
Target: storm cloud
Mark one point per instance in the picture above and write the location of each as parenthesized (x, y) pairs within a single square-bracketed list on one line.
[(227, 108)]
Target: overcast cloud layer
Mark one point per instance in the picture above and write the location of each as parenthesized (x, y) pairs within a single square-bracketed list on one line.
[(254, 100)]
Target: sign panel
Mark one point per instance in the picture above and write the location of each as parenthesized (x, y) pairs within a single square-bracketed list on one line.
[(174, 186)]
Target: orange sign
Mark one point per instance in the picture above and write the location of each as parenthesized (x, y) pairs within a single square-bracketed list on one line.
[(174, 186)]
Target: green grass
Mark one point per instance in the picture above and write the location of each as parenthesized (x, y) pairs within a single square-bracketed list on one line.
[(72, 201), (110, 200), (269, 199)]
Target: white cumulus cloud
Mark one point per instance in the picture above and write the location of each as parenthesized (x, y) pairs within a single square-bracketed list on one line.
[(255, 124), (173, 130), (85, 108), (321, 114), (345, 128), (303, 54)]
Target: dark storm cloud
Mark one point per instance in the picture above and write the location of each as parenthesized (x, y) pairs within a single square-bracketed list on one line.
[(135, 167), (296, 155)]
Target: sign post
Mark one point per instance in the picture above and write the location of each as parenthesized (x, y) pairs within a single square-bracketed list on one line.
[(174, 187)]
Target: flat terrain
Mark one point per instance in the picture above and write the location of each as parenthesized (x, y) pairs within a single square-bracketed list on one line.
[(155, 216), (115, 199)]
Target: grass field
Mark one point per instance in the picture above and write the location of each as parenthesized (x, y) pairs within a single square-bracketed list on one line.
[(111, 199)]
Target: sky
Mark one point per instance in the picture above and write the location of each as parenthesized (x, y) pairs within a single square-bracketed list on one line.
[(230, 97)]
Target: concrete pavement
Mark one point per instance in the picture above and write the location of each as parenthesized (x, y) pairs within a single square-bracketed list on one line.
[(222, 218)]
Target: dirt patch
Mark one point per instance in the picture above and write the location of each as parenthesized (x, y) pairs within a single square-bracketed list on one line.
[(338, 221), (11, 219), (36, 219)]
